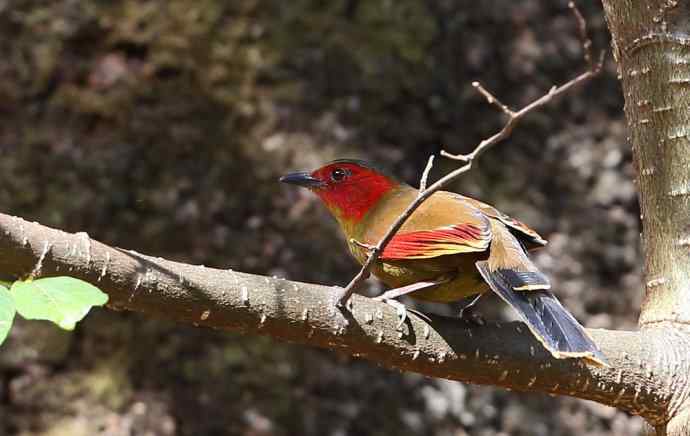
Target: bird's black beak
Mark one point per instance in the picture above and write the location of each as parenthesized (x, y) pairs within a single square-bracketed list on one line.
[(303, 179)]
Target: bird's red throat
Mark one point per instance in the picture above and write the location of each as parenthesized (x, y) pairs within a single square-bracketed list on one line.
[(350, 201)]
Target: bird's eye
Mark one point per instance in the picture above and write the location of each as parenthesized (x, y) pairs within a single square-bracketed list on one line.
[(338, 174)]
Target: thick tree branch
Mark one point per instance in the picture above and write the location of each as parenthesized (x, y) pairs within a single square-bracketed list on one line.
[(502, 354)]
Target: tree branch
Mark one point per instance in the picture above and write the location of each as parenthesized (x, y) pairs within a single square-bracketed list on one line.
[(501, 354)]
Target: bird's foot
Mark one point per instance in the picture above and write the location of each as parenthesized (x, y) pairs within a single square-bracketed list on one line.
[(401, 310), (474, 318), (468, 313)]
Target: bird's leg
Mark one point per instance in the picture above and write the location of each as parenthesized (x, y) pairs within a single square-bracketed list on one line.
[(414, 287), (466, 309), (388, 298)]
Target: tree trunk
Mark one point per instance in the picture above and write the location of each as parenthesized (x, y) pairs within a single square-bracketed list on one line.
[(651, 43)]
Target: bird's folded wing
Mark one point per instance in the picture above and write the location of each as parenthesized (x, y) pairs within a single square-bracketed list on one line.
[(524, 233), (424, 244)]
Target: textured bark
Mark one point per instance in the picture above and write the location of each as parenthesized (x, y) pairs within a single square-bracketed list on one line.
[(651, 42), (501, 354)]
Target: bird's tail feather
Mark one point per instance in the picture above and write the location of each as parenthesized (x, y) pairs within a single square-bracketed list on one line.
[(547, 319)]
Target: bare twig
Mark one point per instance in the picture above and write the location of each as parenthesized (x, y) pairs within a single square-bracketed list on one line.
[(584, 37), (425, 174), (513, 119), (493, 100), (360, 244)]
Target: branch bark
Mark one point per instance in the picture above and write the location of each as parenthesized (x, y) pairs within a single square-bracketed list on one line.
[(501, 354)]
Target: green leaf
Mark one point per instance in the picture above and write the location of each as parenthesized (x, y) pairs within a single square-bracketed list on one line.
[(6, 313), (62, 300)]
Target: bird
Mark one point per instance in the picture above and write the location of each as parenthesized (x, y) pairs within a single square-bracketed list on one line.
[(452, 248)]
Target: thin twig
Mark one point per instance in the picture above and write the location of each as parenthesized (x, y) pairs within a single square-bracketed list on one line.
[(517, 117), (425, 174), (491, 99), (367, 247), (513, 119), (584, 37)]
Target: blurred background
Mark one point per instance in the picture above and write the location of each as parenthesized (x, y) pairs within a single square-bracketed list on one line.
[(163, 125)]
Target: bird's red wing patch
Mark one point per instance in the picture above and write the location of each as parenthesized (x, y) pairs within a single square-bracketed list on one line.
[(424, 244)]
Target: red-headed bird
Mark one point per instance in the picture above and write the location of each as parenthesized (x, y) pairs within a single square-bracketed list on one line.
[(450, 248)]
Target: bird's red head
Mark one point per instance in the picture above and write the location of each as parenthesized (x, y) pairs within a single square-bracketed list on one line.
[(349, 188)]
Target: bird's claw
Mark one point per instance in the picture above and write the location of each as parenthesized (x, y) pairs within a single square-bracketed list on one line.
[(421, 315), (402, 311), (468, 313), (342, 299), (475, 318)]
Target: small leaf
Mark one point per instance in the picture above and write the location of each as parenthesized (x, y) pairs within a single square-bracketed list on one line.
[(6, 313), (62, 300)]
